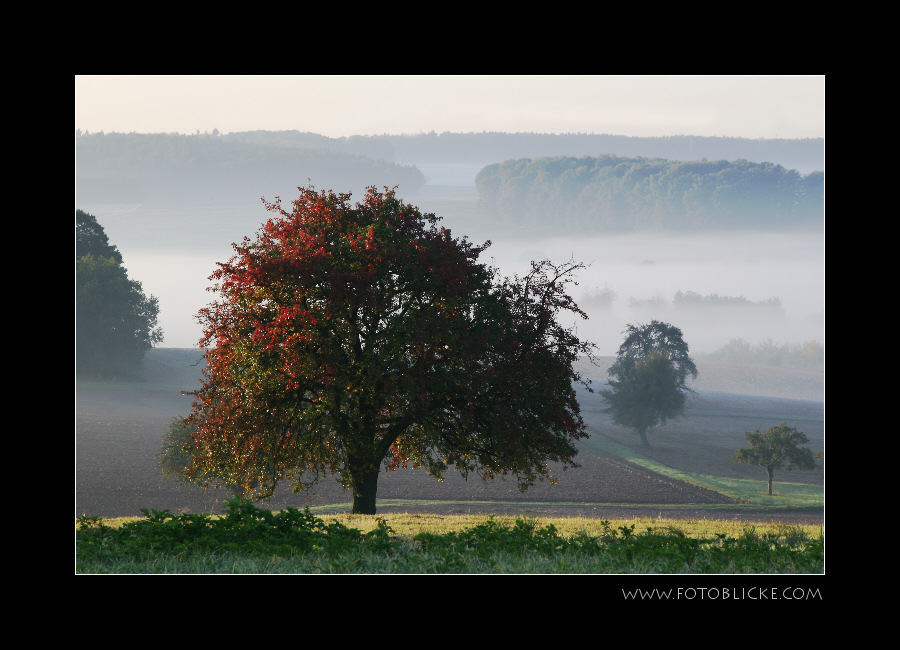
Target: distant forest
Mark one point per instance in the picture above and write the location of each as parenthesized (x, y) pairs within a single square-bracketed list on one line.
[(613, 194), (169, 168), (532, 180), (805, 155), (802, 154)]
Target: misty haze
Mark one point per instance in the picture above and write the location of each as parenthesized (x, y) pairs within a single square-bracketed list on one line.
[(769, 285)]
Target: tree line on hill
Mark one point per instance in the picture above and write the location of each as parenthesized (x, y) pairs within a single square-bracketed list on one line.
[(809, 355), (613, 194), (536, 191), (167, 168), (690, 304), (806, 154)]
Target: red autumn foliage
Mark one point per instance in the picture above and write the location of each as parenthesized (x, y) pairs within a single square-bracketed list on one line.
[(347, 338)]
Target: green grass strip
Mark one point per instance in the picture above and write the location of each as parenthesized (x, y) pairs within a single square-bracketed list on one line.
[(788, 495)]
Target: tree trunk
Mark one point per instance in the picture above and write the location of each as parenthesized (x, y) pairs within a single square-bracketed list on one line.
[(770, 472), (365, 486), (643, 434)]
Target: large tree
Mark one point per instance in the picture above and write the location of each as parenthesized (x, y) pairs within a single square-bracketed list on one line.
[(778, 448), (115, 322), (648, 380), (347, 338)]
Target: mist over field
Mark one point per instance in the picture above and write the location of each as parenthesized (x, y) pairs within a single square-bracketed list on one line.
[(631, 278), (754, 285), (636, 278)]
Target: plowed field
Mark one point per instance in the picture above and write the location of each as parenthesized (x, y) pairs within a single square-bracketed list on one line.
[(119, 430)]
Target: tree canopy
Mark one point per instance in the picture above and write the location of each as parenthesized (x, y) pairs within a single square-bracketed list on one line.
[(172, 168), (648, 380), (91, 239), (347, 338), (115, 322), (614, 194), (778, 448)]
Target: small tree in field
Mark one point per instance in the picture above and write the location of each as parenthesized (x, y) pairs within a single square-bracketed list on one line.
[(777, 448), (348, 338), (648, 378)]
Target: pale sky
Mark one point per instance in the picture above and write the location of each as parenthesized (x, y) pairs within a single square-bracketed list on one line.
[(746, 106)]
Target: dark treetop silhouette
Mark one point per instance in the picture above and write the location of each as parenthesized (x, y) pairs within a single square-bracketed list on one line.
[(647, 384)]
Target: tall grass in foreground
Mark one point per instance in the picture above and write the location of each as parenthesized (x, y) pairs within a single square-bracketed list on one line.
[(247, 539)]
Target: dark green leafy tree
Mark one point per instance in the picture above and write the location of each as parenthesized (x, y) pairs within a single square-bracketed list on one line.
[(115, 323), (648, 380), (91, 239), (348, 339), (778, 448)]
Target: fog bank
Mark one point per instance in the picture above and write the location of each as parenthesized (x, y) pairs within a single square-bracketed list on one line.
[(632, 278), (635, 278)]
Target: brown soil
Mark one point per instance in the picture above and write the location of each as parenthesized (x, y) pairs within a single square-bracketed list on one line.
[(119, 431)]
